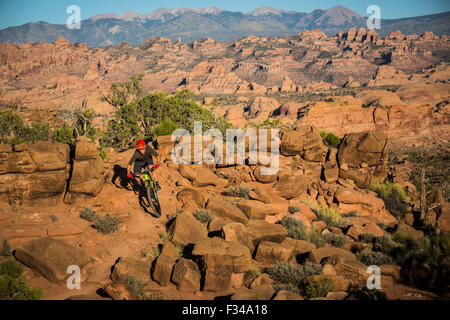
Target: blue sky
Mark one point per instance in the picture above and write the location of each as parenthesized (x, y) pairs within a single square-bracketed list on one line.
[(18, 12)]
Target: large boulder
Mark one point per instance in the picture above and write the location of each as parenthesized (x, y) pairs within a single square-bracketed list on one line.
[(186, 275), (34, 171), (272, 252), (88, 169), (260, 230), (290, 186), (187, 230), (304, 141), (221, 208), (138, 268), (51, 257), (362, 155), (219, 259)]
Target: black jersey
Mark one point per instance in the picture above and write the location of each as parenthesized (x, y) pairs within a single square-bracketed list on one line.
[(137, 156)]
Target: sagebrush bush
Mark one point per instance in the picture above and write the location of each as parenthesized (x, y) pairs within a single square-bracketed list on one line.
[(286, 272), (332, 140), (89, 214), (335, 240), (318, 288), (395, 198), (107, 224), (330, 216), (298, 231), (239, 192), (383, 244), (366, 237), (134, 285), (13, 286), (294, 209), (374, 258), (204, 216)]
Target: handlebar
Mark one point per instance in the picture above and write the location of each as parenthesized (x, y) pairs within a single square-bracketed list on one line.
[(156, 166)]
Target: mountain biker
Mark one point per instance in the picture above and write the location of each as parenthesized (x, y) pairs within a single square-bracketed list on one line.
[(143, 159)]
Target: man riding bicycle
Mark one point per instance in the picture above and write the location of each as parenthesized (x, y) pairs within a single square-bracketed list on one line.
[(143, 159)]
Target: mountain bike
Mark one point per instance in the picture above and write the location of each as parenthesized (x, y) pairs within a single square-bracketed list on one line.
[(151, 199)]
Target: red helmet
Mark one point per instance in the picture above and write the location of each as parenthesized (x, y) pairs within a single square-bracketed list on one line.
[(140, 145)]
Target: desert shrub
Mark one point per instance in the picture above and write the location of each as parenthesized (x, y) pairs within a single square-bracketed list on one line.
[(383, 244), (294, 209), (290, 277), (352, 213), (332, 140), (366, 237), (318, 288), (297, 230), (393, 195), (14, 131), (157, 296), (374, 258), (204, 216), (103, 154), (89, 214), (13, 286), (239, 192), (164, 236), (335, 240), (65, 134), (288, 273), (330, 216), (166, 128), (139, 116), (134, 285), (155, 252), (6, 248), (107, 224), (253, 274)]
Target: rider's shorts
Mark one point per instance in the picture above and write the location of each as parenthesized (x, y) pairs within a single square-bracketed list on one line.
[(139, 165)]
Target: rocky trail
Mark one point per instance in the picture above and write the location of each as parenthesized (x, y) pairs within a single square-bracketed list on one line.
[(179, 257)]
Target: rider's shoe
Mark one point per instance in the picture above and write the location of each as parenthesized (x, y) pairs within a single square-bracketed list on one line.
[(158, 187)]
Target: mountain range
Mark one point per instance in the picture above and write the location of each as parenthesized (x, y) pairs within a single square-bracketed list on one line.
[(212, 22)]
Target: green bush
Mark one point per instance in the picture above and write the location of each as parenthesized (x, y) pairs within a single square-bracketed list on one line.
[(374, 258), (332, 140), (14, 131), (134, 285), (138, 116), (204, 216), (290, 277), (366, 237), (318, 288), (103, 154), (383, 244), (297, 230), (288, 273), (335, 240), (330, 216), (166, 128), (65, 135), (107, 224), (352, 213), (395, 198), (240, 192), (89, 214), (13, 286), (294, 209)]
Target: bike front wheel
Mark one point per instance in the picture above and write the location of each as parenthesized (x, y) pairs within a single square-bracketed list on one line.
[(153, 201)]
